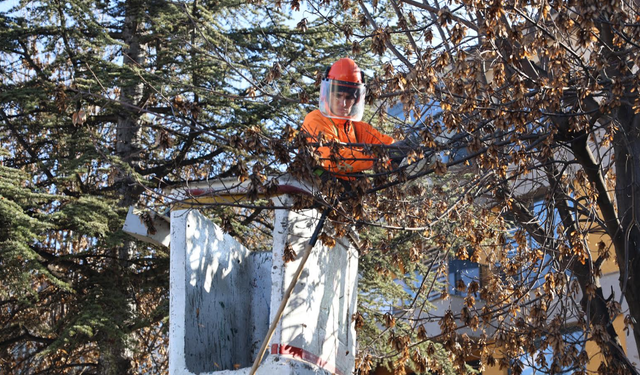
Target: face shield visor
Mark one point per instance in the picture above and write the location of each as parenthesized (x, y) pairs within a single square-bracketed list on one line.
[(342, 99)]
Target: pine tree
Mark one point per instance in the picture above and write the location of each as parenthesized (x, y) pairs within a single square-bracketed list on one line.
[(101, 105)]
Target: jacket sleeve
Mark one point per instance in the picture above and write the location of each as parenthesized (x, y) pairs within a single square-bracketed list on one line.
[(368, 134), (338, 157)]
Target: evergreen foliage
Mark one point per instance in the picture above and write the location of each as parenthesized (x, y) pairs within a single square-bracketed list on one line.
[(102, 104)]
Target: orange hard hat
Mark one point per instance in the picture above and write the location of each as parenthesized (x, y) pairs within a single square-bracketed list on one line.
[(346, 70)]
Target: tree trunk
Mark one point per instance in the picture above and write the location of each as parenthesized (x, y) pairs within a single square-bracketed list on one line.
[(627, 167), (115, 354)]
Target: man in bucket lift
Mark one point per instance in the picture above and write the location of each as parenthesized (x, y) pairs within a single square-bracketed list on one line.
[(342, 93)]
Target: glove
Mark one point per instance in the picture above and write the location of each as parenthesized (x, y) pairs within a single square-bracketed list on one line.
[(398, 151)]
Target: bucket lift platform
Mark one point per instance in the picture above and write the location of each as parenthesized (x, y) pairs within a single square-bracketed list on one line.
[(223, 296)]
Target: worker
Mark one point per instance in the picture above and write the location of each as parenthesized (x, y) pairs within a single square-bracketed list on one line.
[(342, 93)]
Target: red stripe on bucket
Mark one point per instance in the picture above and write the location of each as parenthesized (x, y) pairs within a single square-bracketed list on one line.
[(301, 354)]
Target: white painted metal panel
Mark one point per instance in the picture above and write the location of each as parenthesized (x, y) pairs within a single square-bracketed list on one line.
[(316, 325), (219, 298)]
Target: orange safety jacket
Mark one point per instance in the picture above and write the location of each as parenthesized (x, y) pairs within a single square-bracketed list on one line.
[(351, 159)]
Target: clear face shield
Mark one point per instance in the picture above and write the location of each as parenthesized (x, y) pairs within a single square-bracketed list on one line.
[(342, 99)]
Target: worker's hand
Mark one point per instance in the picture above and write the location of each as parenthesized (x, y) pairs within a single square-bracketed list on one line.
[(398, 151)]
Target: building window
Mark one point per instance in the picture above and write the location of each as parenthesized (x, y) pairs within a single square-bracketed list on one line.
[(461, 273)]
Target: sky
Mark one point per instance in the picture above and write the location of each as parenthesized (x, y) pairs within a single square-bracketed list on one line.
[(5, 5)]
